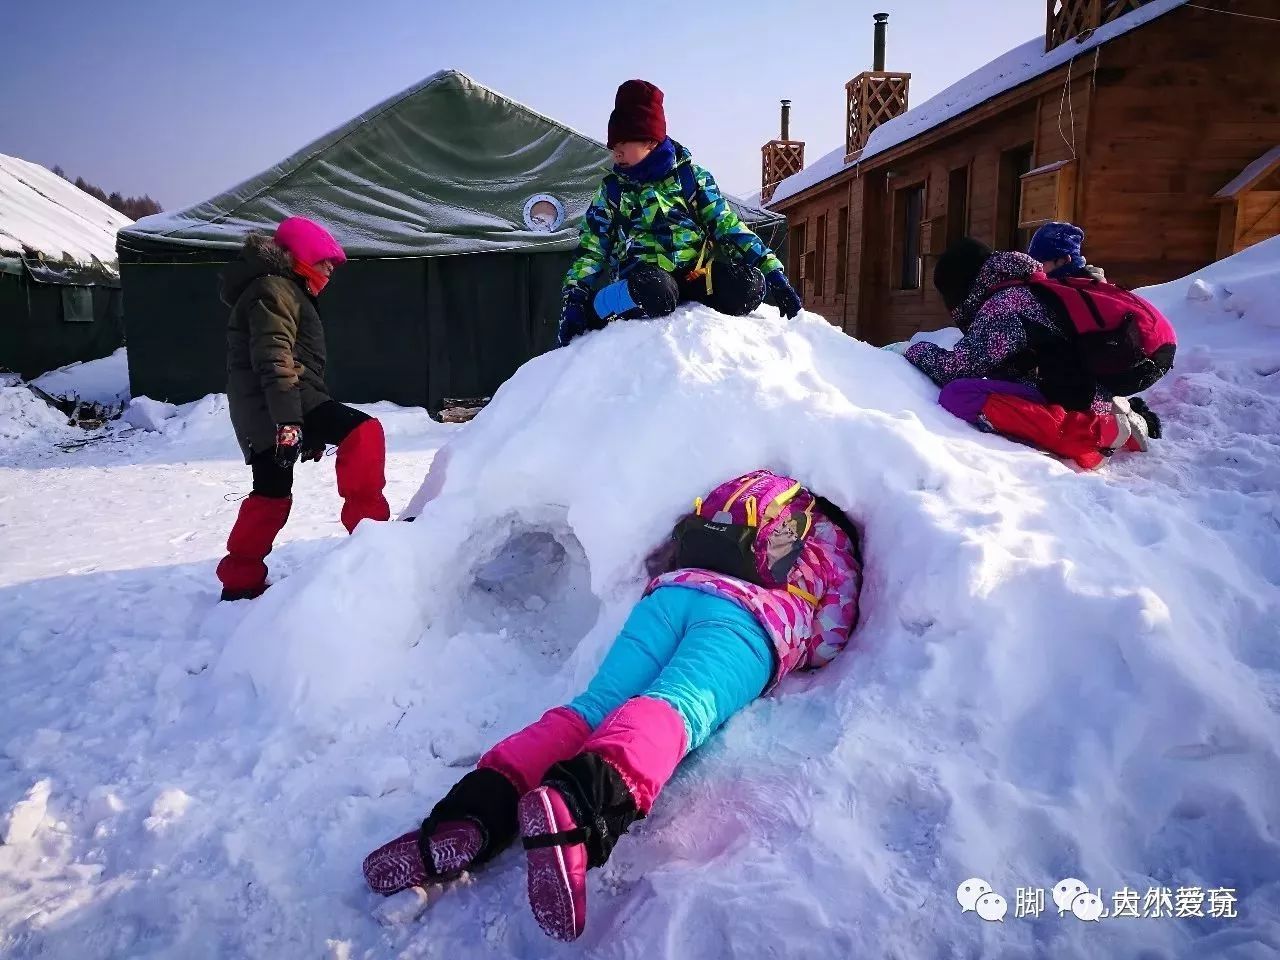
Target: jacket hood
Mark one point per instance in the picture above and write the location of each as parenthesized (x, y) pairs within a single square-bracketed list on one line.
[(260, 256)]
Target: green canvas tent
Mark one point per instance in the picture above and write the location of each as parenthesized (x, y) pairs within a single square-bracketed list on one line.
[(459, 211), (59, 288)]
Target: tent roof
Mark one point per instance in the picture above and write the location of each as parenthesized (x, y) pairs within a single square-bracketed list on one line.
[(1023, 63), (445, 167), (43, 217)]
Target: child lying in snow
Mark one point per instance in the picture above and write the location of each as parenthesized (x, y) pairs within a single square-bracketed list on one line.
[(697, 648), (997, 376), (651, 227)]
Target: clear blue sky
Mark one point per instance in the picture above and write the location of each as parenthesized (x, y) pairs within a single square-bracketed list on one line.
[(184, 98)]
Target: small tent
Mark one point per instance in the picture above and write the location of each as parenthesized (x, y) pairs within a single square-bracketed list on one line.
[(59, 285), (458, 209)]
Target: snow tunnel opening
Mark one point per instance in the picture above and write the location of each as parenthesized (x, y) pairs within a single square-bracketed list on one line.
[(535, 584)]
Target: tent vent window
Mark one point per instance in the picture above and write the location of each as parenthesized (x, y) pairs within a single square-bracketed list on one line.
[(543, 213)]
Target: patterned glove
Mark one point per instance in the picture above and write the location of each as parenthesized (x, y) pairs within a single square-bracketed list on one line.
[(573, 318), (788, 300), (288, 444)]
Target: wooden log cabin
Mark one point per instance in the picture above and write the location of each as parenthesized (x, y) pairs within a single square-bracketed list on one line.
[(1128, 117)]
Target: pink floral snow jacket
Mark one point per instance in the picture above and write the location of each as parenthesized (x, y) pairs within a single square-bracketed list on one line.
[(804, 633)]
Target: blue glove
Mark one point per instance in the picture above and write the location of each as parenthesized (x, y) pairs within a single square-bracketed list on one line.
[(788, 300), (573, 319)]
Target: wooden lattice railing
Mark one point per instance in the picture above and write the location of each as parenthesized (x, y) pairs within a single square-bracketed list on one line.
[(779, 159), (872, 98), (1067, 19)]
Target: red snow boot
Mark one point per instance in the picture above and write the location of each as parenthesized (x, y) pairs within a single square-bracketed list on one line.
[(362, 462), (243, 571)]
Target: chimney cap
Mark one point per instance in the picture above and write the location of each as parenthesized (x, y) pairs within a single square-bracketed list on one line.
[(880, 17)]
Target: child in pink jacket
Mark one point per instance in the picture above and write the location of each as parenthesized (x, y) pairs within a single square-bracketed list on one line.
[(696, 649)]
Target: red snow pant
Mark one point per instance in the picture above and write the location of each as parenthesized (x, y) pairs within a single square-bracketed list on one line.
[(361, 470), (1022, 413)]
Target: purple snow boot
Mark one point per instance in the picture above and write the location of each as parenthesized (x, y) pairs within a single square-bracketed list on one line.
[(398, 865)]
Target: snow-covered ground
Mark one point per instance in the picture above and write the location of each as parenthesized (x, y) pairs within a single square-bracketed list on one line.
[(1057, 674)]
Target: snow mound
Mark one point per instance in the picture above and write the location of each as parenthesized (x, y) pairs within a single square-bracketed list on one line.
[(25, 419), (40, 211), (1056, 675), (104, 381), (147, 414)]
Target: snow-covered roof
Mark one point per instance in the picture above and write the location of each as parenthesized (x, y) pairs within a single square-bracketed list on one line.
[(1012, 69), (41, 212), (1250, 173)]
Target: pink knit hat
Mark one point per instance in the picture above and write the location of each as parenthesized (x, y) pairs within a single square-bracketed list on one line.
[(308, 241)]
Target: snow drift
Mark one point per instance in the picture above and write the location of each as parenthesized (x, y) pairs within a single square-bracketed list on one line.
[(1057, 674)]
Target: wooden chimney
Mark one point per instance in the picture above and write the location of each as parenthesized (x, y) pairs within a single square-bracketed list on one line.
[(874, 96), (1069, 19), (780, 158)]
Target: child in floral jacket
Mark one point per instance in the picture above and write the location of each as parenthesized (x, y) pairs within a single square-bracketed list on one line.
[(648, 237), (698, 647)]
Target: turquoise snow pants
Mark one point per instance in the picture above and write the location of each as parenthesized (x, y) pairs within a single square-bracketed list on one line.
[(703, 655)]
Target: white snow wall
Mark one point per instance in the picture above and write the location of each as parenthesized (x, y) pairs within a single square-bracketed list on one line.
[(1056, 674)]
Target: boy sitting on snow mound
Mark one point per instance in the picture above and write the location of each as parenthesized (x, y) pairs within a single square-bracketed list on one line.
[(1045, 361), (651, 228), (763, 580), (281, 410)]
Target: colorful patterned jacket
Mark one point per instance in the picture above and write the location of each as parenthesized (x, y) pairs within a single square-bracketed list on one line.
[(804, 633), (654, 223), (997, 327)]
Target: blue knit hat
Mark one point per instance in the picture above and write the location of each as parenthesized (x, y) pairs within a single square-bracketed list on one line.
[(1057, 239)]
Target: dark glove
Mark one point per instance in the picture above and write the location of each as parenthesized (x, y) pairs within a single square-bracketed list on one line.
[(788, 300), (573, 318), (288, 444), (312, 453)]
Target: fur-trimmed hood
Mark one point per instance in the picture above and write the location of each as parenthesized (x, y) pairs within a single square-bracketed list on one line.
[(260, 256)]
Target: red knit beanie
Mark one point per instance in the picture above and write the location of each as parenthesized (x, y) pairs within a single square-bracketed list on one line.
[(637, 114)]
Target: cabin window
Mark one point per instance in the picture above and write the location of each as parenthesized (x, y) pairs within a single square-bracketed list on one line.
[(796, 244), (908, 211), (77, 304), (820, 258), (957, 204), (842, 250), (1013, 164)]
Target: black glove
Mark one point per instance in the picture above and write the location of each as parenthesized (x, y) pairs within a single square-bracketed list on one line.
[(309, 452), (573, 318), (788, 300), (288, 444)]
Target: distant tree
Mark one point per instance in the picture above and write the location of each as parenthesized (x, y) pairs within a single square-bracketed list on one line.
[(135, 208)]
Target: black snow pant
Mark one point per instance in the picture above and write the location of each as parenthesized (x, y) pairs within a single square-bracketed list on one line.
[(736, 289), (328, 425)]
